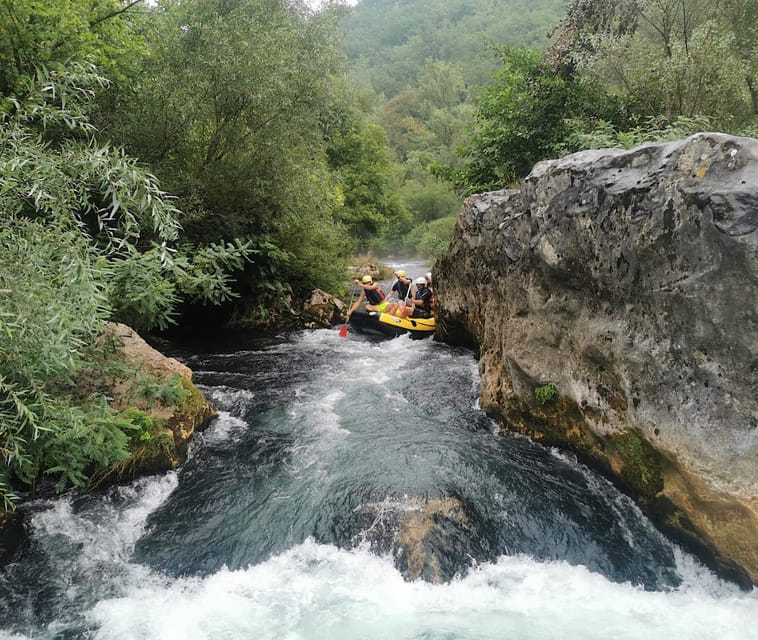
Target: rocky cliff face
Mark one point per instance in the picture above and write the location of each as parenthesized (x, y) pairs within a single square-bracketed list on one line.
[(614, 303)]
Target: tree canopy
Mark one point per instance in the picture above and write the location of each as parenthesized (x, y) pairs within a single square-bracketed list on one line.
[(156, 156), (618, 73)]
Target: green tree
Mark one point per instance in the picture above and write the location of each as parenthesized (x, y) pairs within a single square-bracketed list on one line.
[(42, 428), (72, 210), (429, 199), (525, 116), (230, 111), (54, 33), (673, 58), (365, 172)]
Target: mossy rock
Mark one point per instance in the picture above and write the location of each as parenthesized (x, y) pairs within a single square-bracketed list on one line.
[(641, 466), (557, 422)]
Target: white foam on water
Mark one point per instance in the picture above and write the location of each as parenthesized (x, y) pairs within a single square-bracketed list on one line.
[(110, 531), (225, 427), (319, 592), (321, 413), (319, 429), (319, 422), (229, 398), (91, 543)]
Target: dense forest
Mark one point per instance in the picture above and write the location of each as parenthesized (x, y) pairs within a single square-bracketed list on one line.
[(419, 65), (159, 157)]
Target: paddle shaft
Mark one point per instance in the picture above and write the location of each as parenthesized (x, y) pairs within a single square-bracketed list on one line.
[(343, 329)]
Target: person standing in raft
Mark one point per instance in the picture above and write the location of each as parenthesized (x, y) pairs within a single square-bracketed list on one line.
[(372, 293), (399, 292)]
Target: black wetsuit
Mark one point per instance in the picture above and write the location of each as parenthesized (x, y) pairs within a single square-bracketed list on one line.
[(401, 288), (424, 310)]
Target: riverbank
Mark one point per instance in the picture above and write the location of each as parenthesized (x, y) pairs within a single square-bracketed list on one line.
[(153, 394)]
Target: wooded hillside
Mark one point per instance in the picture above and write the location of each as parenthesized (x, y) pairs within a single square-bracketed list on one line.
[(419, 66), (390, 41)]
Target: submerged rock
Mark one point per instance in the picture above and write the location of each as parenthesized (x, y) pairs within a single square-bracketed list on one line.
[(613, 300), (425, 536)]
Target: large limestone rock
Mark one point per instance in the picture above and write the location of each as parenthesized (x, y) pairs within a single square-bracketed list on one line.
[(629, 280)]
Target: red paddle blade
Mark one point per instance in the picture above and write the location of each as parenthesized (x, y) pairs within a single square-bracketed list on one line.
[(343, 330)]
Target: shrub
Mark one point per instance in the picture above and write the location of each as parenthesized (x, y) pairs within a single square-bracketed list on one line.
[(546, 394)]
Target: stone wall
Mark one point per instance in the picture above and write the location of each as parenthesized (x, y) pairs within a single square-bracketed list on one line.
[(629, 280)]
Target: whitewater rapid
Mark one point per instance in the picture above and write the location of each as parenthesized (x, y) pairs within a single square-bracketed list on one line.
[(253, 537)]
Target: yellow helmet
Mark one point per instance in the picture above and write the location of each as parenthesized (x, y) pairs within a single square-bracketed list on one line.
[(402, 274), (367, 279)]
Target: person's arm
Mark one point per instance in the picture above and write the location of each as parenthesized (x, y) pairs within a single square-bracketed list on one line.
[(419, 302), (409, 283), (357, 303)]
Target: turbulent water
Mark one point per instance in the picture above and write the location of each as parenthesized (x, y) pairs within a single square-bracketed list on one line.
[(284, 522)]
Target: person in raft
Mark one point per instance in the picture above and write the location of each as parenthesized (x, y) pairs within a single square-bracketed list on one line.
[(420, 304), (401, 287), (428, 278), (372, 293)]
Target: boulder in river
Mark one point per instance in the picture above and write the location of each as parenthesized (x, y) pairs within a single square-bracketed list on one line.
[(426, 536), (613, 301), (178, 414)]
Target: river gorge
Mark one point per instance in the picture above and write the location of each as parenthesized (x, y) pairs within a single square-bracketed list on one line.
[(355, 489)]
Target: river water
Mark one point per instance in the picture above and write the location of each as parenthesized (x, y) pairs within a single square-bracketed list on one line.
[(285, 521)]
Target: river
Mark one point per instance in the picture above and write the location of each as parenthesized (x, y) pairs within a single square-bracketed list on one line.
[(284, 522)]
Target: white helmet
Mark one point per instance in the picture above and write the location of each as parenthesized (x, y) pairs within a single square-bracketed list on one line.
[(420, 280)]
